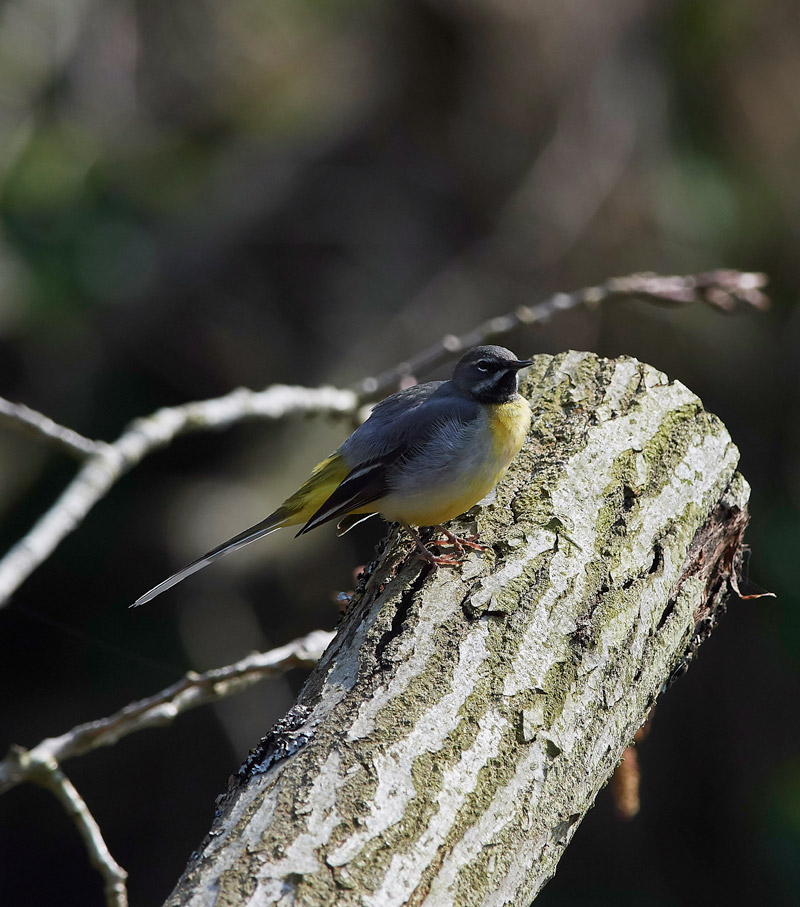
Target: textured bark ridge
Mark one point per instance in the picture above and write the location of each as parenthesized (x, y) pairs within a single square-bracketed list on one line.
[(456, 731)]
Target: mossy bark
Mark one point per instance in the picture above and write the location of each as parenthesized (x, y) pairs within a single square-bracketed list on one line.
[(463, 720)]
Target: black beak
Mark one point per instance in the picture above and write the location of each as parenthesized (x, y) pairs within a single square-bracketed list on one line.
[(521, 363)]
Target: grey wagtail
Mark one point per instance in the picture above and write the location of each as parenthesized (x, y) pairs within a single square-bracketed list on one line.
[(425, 455)]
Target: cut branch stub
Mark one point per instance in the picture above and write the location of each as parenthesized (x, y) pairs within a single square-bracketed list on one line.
[(462, 722)]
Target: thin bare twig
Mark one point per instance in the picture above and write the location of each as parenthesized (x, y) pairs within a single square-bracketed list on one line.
[(162, 708), (724, 290), (627, 778), (111, 461), (22, 417), (114, 876)]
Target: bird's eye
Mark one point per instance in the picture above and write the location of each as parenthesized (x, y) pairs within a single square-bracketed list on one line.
[(482, 365)]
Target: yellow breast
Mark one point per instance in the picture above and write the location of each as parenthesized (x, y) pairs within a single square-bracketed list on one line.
[(508, 424), (498, 435)]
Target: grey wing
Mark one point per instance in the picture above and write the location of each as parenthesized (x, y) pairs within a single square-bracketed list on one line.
[(405, 420), (446, 450), (399, 431)]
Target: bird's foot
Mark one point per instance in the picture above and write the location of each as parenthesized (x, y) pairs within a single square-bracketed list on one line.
[(460, 542), (438, 560)]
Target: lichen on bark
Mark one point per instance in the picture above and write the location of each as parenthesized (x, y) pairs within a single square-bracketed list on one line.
[(458, 728)]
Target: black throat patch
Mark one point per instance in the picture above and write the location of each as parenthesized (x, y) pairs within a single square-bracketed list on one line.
[(497, 388)]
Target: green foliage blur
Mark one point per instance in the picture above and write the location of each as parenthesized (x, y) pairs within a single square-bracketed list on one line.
[(197, 196)]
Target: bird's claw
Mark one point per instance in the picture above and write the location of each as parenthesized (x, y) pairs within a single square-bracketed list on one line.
[(439, 560), (460, 542)]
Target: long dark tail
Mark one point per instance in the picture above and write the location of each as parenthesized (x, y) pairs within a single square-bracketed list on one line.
[(272, 523)]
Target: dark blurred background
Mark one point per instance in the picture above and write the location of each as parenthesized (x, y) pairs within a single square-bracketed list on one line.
[(197, 196)]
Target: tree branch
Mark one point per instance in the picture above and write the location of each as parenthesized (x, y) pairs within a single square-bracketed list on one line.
[(50, 776), (724, 290), (452, 737), (111, 461), (163, 708), (22, 417)]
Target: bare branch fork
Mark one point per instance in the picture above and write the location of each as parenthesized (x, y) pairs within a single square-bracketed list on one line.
[(105, 463), (162, 708), (109, 462), (42, 764)]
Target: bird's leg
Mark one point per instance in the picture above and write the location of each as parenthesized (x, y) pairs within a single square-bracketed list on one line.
[(438, 560), (460, 542)]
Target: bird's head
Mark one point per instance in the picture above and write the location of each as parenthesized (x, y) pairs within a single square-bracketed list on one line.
[(488, 374)]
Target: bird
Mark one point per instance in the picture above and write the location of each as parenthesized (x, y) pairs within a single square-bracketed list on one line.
[(425, 455)]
